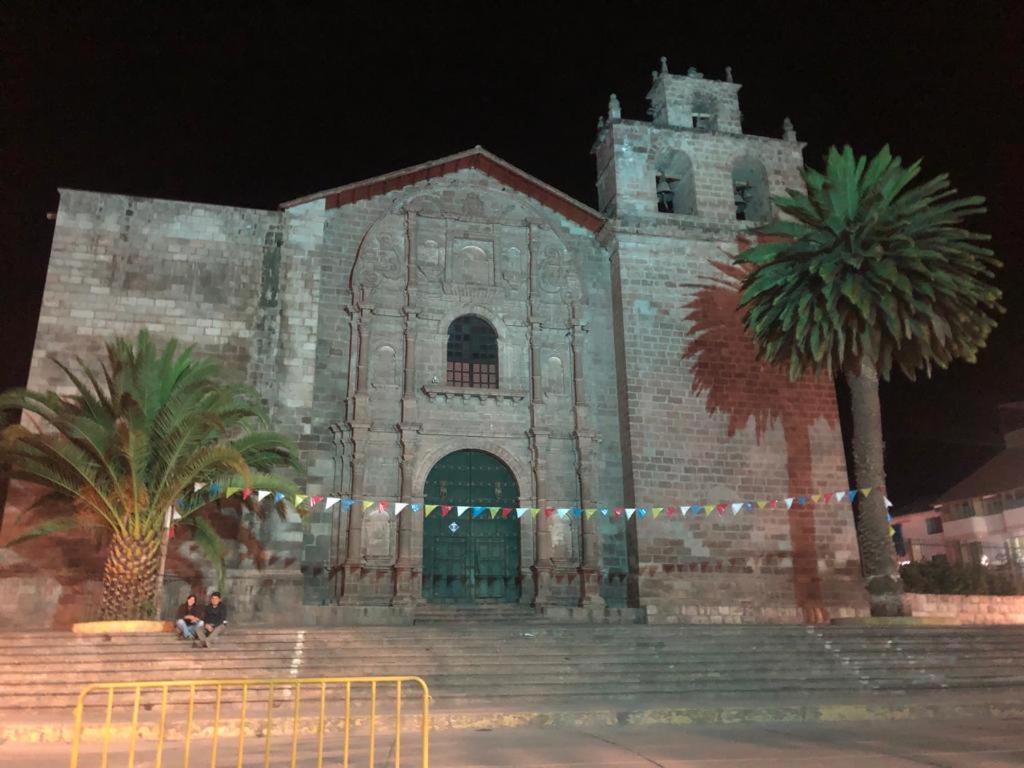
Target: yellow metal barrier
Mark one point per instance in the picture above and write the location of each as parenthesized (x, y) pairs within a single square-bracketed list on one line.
[(182, 722)]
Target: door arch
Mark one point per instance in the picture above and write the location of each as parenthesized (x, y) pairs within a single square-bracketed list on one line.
[(475, 556)]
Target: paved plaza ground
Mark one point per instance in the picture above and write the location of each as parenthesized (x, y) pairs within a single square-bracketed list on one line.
[(902, 744)]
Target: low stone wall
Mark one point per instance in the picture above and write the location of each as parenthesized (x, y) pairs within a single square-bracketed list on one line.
[(966, 609)]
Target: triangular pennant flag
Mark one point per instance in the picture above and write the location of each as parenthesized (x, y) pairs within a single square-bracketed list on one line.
[(577, 511), (773, 503), (314, 500), (214, 487), (549, 511), (605, 511), (641, 511), (589, 512), (382, 507), (619, 511), (801, 500), (232, 490), (865, 491), (367, 504), (669, 511), (840, 496), (399, 506), (346, 503), (696, 509), (655, 511), (520, 511), (629, 512), (278, 497), (299, 498), (246, 493), (816, 497), (428, 509), (331, 501), (416, 507), (445, 509), (477, 511), (261, 495), (460, 511), (505, 512), (494, 511), (562, 512), (851, 495), (709, 508), (720, 508), (534, 511), (197, 487), (736, 507), (761, 504), (892, 531), (887, 502), (789, 503)]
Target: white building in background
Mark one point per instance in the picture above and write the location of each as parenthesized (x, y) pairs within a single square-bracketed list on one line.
[(981, 518)]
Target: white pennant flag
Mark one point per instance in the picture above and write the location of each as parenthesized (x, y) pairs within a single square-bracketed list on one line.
[(630, 511), (197, 487), (562, 512), (840, 496), (261, 495), (520, 511), (737, 507), (460, 511), (331, 501), (789, 503), (399, 506), (887, 502)]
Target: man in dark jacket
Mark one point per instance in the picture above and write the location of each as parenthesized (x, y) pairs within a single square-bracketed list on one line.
[(214, 618)]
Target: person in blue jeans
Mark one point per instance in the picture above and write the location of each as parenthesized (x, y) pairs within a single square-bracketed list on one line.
[(215, 617), (188, 622)]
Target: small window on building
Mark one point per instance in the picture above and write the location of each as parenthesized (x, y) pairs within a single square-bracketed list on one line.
[(933, 525), (993, 505), (750, 190), (472, 353), (703, 122)]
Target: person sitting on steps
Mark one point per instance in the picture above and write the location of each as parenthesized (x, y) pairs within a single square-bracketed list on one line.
[(214, 618), (188, 622)]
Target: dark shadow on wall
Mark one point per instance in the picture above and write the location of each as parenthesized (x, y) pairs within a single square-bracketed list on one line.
[(727, 371)]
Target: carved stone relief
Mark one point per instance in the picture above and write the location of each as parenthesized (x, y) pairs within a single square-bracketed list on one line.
[(554, 376), (512, 266), (472, 261), (377, 535), (382, 254), (561, 539), (554, 268)]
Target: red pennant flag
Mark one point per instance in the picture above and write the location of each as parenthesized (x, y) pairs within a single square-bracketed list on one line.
[(445, 509), (772, 503), (669, 511), (314, 500), (549, 511), (619, 511), (506, 511), (720, 509), (246, 493)]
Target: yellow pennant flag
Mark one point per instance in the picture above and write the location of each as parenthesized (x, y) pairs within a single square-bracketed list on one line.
[(367, 504), (494, 511), (428, 509), (709, 508), (865, 491), (589, 513), (657, 511), (761, 504), (231, 491), (816, 498), (300, 498), (534, 511), (892, 531)]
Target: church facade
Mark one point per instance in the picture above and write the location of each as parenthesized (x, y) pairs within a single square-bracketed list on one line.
[(461, 333)]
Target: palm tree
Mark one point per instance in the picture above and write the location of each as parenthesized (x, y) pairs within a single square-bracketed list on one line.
[(870, 273), (131, 446)]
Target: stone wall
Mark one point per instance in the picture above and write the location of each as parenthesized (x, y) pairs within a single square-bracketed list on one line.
[(966, 609)]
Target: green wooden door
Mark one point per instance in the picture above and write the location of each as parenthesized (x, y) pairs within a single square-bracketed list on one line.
[(470, 558)]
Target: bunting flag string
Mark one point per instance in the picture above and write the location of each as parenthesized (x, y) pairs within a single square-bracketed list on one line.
[(215, 490)]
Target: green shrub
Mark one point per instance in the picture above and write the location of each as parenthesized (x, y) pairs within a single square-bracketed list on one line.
[(939, 577)]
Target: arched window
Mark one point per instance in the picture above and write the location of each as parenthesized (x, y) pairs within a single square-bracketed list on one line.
[(676, 190), (750, 190), (472, 353)]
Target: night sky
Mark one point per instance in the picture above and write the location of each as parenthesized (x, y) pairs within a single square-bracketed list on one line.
[(267, 103)]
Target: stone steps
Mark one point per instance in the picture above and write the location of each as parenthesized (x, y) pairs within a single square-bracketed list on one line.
[(484, 664)]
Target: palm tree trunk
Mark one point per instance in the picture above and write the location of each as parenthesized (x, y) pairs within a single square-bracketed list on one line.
[(878, 558), (129, 577)]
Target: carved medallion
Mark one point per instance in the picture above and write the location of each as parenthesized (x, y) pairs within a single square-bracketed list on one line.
[(512, 266), (554, 268), (430, 259)]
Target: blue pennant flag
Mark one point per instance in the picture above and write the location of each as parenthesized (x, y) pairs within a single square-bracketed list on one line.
[(577, 512), (801, 500), (477, 511), (215, 487), (416, 507), (748, 505), (696, 509), (278, 497), (347, 503), (641, 511), (852, 495)]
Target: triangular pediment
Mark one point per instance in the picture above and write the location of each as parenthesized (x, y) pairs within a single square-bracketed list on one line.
[(477, 158)]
